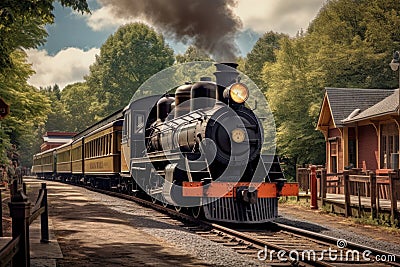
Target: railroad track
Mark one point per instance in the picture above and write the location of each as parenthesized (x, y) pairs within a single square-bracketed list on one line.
[(275, 244)]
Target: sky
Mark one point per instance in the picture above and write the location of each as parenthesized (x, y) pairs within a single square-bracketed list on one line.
[(75, 39)]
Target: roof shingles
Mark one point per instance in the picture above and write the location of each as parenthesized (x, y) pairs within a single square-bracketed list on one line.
[(387, 106), (343, 101)]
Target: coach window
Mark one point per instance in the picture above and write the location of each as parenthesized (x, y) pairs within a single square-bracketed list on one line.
[(126, 125), (139, 123), (106, 144), (119, 135)]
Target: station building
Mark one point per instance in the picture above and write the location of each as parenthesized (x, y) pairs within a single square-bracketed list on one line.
[(55, 139), (361, 129)]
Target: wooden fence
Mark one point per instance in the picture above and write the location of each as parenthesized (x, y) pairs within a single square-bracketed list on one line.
[(17, 251), (385, 185)]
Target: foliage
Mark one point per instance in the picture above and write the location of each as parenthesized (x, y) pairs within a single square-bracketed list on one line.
[(28, 109), (22, 27), (262, 52), (354, 40), (56, 120), (193, 54), (349, 44), (128, 58), (294, 89), (77, 99), (22, 24)]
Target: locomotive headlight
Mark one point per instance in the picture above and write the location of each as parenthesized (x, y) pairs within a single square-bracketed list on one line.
[(238, 135), (238, 92)]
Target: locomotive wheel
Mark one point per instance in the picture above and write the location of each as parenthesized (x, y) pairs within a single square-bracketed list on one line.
[(164, 202), (178, 208), (198, 212)]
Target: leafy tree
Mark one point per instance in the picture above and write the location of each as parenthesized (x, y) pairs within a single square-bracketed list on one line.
[(22, 27), (353, 42), (262, 52), (28, 109), (57, 116), (294, 90), (128, 58), (77, 99), (193, 54), (22, 24), (349, 44)]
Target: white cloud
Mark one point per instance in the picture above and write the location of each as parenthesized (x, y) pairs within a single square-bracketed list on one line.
[(104, 19), (66, 67), (281, 16)]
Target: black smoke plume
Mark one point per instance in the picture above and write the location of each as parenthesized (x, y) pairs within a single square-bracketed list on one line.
[(210, 24)]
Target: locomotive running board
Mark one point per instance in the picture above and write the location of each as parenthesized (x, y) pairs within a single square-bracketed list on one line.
[(226, 189)]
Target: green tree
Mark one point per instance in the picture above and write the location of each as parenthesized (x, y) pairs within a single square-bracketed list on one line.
[(294, 92), (57, 116), (349, 44), (28, 109), (354, 40), (128, 58), (193, 54), (77, 99), (22, 27), (262, 52), (22, 24)]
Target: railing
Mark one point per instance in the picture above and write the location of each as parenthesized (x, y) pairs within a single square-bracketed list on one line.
[(17, 251), (385, 185), (373, 181)]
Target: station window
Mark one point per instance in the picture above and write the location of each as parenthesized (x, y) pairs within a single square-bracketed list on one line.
[(333, 156), (389, 144)]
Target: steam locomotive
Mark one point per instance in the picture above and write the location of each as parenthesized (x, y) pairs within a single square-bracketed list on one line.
[(199, 148)]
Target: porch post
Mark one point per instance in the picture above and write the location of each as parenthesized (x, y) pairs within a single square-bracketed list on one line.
[(372, 183), (347, 203)]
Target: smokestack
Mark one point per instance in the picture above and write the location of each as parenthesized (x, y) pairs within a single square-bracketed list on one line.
[(226, 75), (210, 25)]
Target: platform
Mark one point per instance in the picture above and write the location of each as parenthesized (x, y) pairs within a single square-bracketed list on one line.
[(91, 233), (384, 204), (43, 255)]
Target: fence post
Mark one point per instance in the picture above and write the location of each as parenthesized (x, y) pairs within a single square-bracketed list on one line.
[(24, 188), (393, 199), (372, 184), (20, 210), (323, 186), (1, 214), (313, 182), (347, 204), (44, 217)]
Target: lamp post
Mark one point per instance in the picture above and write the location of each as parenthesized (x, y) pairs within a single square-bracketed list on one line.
[(395, 63)]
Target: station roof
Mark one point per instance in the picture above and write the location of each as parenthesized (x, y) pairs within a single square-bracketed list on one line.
[(339, 103), (389, 105)]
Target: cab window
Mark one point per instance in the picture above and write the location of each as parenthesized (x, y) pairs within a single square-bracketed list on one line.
[(139, 123)]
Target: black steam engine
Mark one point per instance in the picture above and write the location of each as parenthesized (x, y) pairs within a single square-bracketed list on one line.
[(202, 150)]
